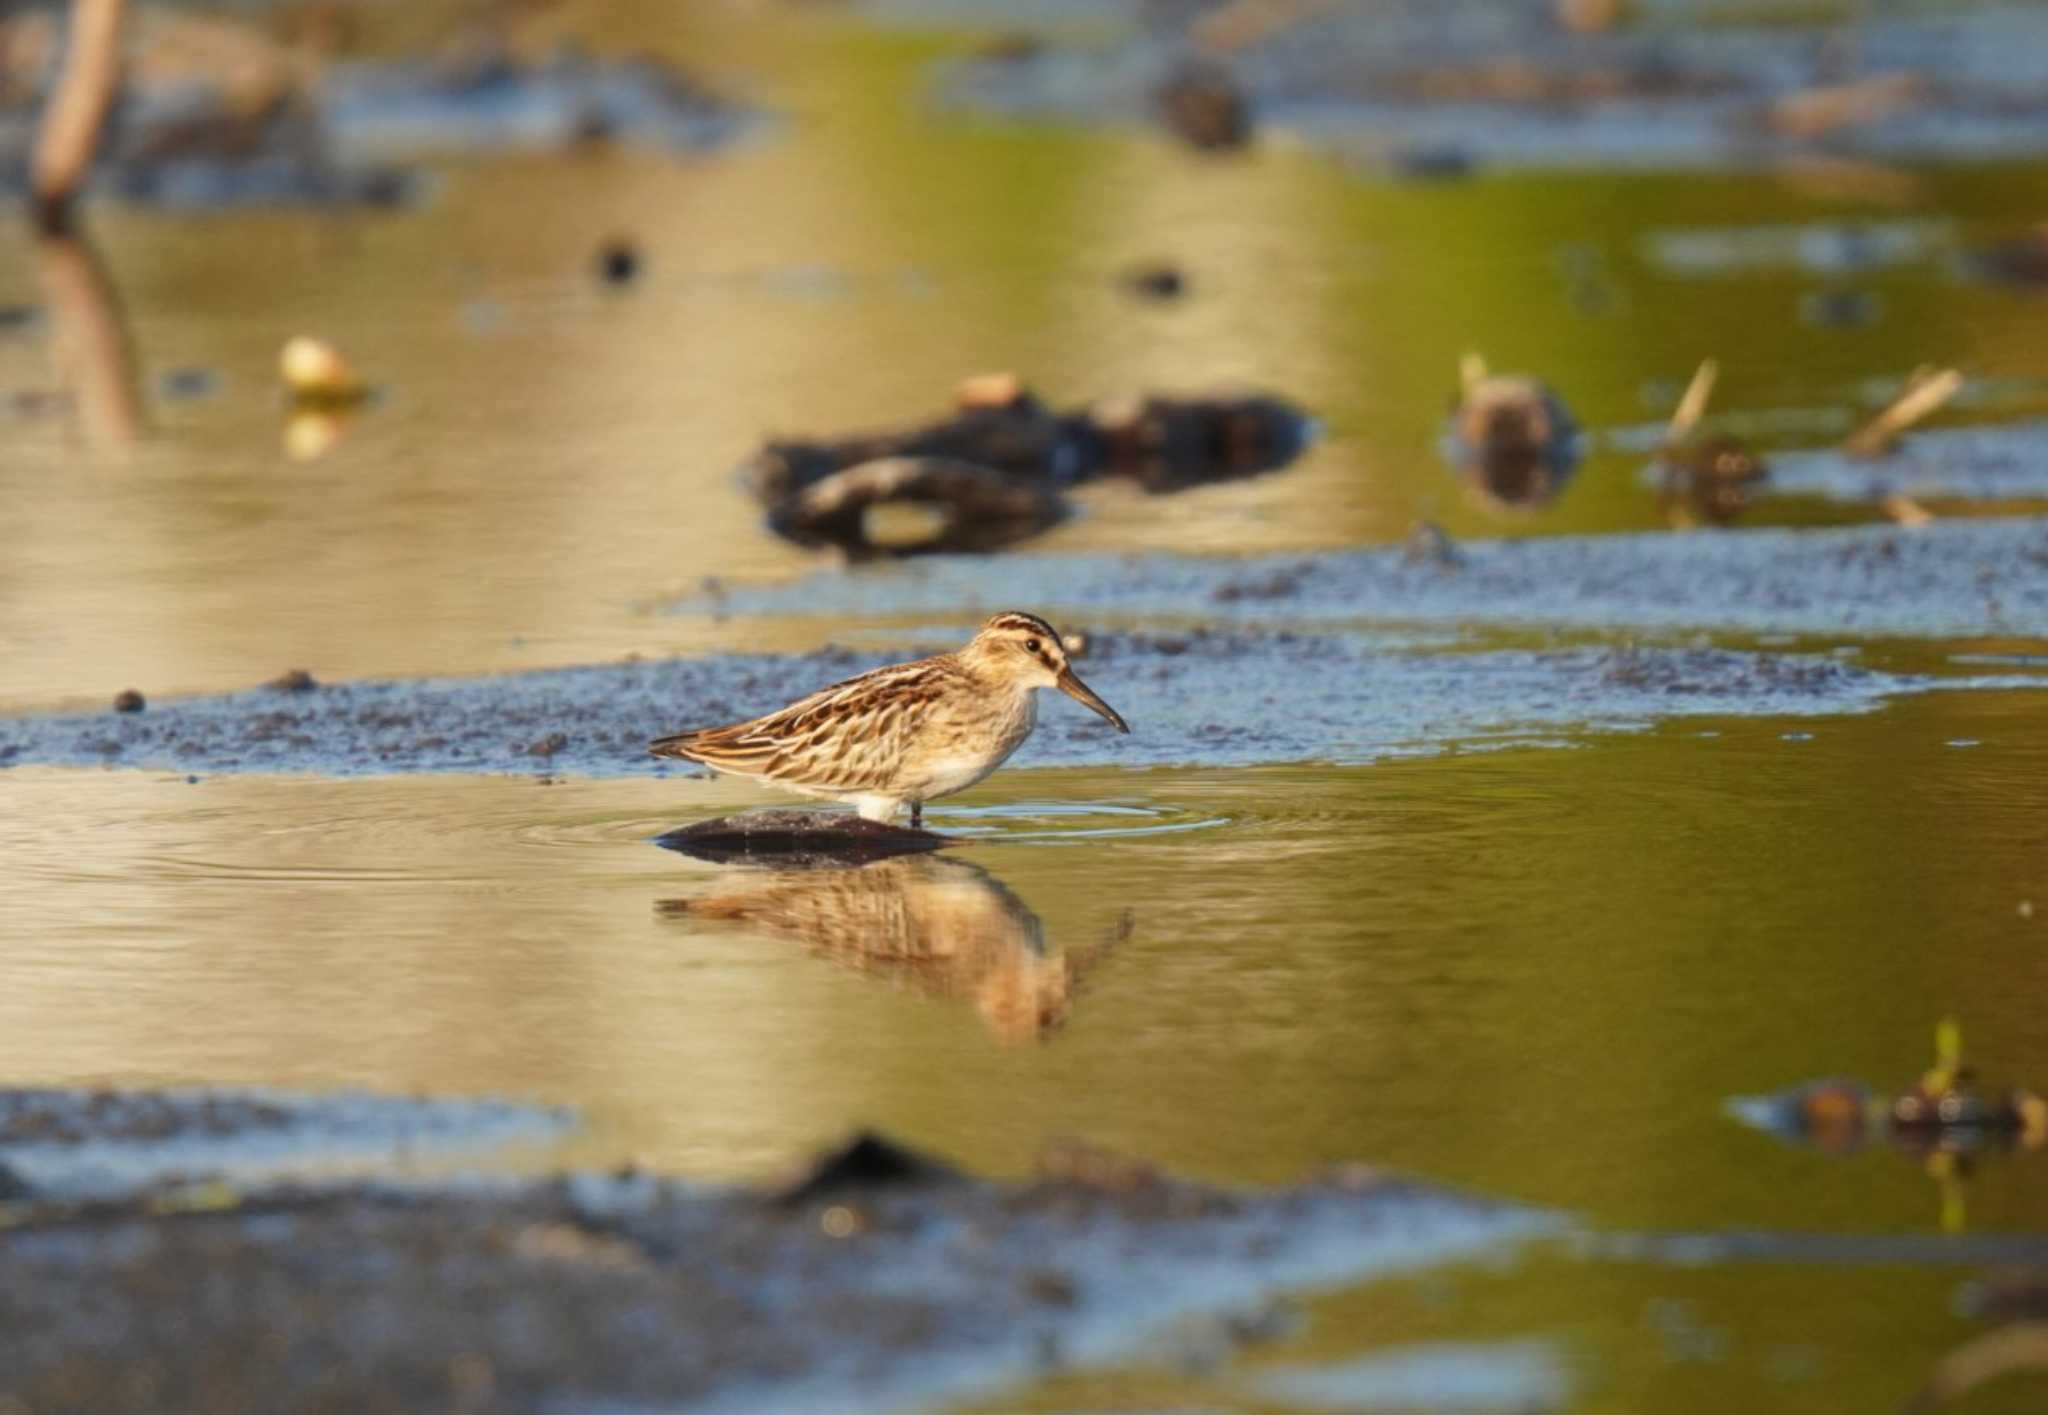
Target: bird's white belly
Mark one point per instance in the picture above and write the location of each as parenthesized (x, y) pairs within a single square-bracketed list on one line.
[(942, 775)]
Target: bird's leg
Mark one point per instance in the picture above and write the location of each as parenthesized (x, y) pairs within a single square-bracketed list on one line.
[(917, 815)]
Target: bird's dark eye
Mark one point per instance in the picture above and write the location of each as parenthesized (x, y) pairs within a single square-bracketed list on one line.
[(1031, 646)]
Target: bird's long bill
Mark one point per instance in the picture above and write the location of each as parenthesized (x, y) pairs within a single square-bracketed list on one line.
[(1070, 683)]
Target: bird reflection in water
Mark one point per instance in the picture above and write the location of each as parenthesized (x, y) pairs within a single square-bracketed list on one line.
[(944, 926)]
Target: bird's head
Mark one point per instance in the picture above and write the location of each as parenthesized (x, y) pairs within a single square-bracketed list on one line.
[(1023, 649)]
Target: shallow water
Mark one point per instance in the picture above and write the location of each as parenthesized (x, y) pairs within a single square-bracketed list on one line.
[(1537, 970)]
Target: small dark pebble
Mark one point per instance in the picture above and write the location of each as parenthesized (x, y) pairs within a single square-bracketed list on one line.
[(128, 700), (187, 383), (1160, 281), (618, 262), (296, 680), (1838, 309)]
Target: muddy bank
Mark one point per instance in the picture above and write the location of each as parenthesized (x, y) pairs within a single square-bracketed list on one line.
[(2001, 462), (77, 1145), (883, 1280), (1955, 578), (1433, 89), (1210, 697)]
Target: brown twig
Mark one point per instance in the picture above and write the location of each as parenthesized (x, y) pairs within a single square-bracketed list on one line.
[(70, 131)]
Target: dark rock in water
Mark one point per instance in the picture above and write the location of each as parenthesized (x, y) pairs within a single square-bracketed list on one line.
[(1171, 443), (292, 680), (618, 262), (864, 1165), (1156, 281), (1512, 442), (915, 506), (796, 838), (1018, 436), (1201, 103), (128, 700), (1712, 481), (1166, 443)]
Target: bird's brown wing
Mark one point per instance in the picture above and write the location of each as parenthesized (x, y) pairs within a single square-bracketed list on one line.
[(848, 737)]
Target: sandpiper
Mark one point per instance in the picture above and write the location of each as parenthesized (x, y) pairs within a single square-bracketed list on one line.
[(911, 732)]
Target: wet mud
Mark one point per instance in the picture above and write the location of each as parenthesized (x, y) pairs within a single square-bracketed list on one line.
[(1992, 463), (77, 1145), (881, 1279), (1954, 578), (1213, 697), (1422, 87)]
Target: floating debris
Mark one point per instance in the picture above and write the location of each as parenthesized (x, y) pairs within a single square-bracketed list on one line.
[(1510, 439), (128, 700), (795, 839), (317, 374), (1926, 389), (1941, 1110), (1942, 1119), (942, 925)]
